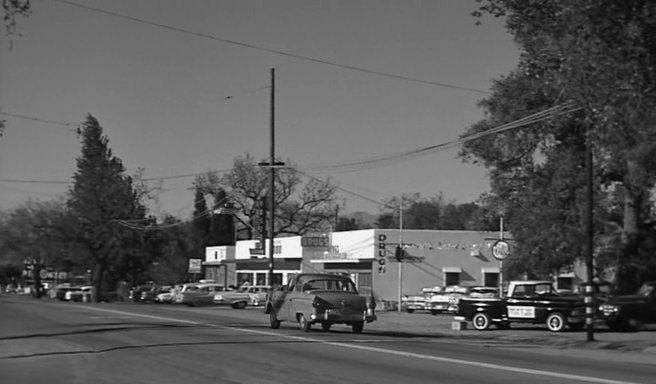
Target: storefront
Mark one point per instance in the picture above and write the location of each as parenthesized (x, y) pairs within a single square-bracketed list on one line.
[(369, 257)]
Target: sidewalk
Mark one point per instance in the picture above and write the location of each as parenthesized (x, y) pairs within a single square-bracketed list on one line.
[(533, 336)]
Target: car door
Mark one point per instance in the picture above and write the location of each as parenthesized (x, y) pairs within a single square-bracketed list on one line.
[(520, 305)]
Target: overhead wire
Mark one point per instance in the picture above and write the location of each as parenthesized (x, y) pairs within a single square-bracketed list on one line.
[(73, 127), (270, 50), (385, 159)]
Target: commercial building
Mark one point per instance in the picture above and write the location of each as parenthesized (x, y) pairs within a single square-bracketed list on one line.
[(370, 257)]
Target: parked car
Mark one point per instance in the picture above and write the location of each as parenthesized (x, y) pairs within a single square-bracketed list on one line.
[(199, 294), (256, 293), (11, 288), (136, 293), (483, 292), (447, 300), (83, 294), (527, 302), (629, 312), (169, 296), (420, 301), (324, 299), (71, 291), (149, 296), (237, 299)]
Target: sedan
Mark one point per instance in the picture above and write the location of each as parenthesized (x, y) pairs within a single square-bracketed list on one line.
[(324, 299)]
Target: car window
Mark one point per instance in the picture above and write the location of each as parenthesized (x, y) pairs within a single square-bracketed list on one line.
[(329, 285)]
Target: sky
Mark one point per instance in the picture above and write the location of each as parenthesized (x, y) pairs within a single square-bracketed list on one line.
[(183, 87)]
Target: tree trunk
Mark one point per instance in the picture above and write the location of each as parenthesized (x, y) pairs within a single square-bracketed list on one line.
[(97, 282)]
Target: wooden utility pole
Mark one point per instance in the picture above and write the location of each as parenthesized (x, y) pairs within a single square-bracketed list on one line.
[(589, 231), (272, 181)]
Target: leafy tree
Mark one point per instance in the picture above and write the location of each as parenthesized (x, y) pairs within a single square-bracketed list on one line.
[(101, 198), (11, 9), (600, 57), (432, 213), (35, 233), (300, 207)]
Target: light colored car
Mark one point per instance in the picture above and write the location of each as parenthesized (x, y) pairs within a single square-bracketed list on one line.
[(324, 299), (419, 302), (447, 300), (198, 294), (72, 292), (82, 294), (257, 294), (168, 297), (237, 299)]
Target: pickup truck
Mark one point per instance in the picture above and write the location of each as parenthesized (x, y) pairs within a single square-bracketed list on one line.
[(527, 302), (629, 312)]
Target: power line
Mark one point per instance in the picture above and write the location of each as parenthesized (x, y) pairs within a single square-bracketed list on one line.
[(40, 120), (558, 110), (271, 50)]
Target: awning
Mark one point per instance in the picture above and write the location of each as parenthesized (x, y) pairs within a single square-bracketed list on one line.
[(451, 269)]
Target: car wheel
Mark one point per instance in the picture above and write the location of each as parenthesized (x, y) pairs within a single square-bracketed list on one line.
[(555, 322), (357, 327), (239, 305), (325, 326), (409, 310), (481, 321), (304, 324), (273, 320), (433, 312)]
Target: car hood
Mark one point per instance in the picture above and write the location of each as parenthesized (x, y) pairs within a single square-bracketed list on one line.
[(341, 300), (416, 298)]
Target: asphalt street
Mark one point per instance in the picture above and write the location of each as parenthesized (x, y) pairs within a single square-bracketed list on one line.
[(44, 341)]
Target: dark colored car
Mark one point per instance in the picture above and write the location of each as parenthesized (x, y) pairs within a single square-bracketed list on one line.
[(324, 299), (149, 295), (527, 302), (629, 312)]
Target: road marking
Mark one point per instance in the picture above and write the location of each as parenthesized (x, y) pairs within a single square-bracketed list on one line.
[(528, 371)]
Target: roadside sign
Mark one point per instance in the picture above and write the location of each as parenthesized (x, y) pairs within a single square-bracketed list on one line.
[(195, 265), (315, 241), (500, 250)]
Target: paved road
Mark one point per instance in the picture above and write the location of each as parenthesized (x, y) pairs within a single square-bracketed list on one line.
[(57, 342)]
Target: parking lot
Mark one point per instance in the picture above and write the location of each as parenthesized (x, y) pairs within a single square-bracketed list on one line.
[(525, 335)]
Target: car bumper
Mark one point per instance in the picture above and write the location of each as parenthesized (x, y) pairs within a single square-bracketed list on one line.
[(337, 316)]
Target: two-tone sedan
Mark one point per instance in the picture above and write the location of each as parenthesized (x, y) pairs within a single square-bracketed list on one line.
[(323, 299)]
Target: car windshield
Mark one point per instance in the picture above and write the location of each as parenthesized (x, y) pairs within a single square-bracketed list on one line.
[(329, 285)]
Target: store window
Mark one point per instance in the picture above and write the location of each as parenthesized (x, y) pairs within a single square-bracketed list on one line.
[(491, 279), (244, 277), (452, 278)]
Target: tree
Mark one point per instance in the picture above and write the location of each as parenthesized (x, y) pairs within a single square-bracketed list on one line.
[(12, 9), (35, 235), (432, 213), (300, 207), (101, 198), (600, 57)]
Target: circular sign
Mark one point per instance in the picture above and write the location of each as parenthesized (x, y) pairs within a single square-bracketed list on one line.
[(43, 274), (500, 250)]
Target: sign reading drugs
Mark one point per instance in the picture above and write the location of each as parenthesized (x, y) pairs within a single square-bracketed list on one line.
[(314, 241)]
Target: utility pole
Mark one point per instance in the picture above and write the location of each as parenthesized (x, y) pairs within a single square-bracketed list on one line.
[(401, 252), (272, 164), (272, 181), (589, 231)]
